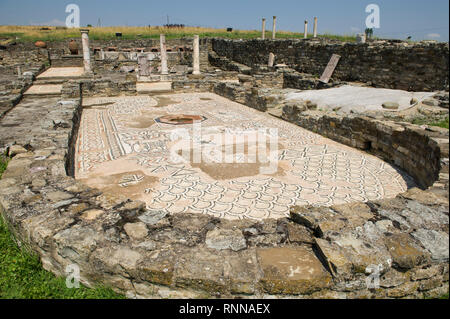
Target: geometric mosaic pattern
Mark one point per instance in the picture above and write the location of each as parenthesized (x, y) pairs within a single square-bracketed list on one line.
[(119, 136)]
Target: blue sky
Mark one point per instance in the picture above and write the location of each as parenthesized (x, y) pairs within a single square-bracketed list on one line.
[(421, 19)]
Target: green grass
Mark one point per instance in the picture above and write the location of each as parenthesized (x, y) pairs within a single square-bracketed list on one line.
[(34, 33), (444, 123), (3, 163), (22, 275)]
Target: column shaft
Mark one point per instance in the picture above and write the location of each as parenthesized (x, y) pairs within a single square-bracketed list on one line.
[(263, 29), (86, 53), (315, 27), (274, 27), (196, 57), (162, 42)]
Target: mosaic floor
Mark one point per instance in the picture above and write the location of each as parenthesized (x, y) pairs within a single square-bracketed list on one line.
[(123, 149)]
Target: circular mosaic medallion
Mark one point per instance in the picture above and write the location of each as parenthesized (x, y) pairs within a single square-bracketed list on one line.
[(178, 119)]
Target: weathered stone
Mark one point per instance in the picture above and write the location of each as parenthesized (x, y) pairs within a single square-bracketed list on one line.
[(57, 196), (314, 217), (157, 267), (250, 231), (118, 259), (77, 243), (430, 284), (430, 102), (435, 242), (291, 270), (152, 217), (77, 208), (405, 253), (221, 239), (336, 257), (403, 290), (42, 228), (356, 214), (424, 197), (91, 214), (216, 273), (425, 273), (266, 240), (63, 203), (147, 245), (299, 234), (392, 279), (38, 183), (195, 223), (16, 149), (136, 230), (390, 105)]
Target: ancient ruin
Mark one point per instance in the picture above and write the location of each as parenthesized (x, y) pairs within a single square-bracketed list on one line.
[(206, 167)]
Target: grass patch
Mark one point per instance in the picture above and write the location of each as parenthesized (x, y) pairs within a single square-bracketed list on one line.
[(22, 275), (444, 123), (34, 33), (3, 164)]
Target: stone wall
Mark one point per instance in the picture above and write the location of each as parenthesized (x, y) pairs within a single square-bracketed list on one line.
[(389, 64), (12, 86)]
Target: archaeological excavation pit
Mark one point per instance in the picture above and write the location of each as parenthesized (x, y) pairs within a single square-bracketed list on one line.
[(309, 169)]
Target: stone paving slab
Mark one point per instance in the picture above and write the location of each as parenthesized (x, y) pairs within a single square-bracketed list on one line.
[(292, 270), (66, 72), (44, 89), (149, 87), (358, 99)]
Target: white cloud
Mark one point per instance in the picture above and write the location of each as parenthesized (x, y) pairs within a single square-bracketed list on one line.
[(54, 22), (433, 35), (355, 29)]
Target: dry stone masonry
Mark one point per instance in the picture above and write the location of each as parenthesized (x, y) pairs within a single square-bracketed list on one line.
[(388, 64)]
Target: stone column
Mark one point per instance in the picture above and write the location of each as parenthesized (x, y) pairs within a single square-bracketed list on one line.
[(274, 27), (162, 42), (263, 28), (19, 71), (315, 27), (306, 29), (196, 56), (271, 59), (86, 52), (361, 38)]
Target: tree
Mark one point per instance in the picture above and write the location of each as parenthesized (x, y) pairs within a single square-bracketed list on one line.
[(369, 33)]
